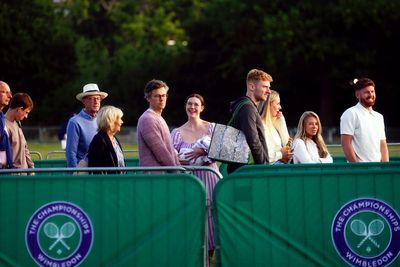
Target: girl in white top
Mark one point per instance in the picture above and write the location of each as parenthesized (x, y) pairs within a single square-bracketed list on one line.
[(275, 130), (308, 145)]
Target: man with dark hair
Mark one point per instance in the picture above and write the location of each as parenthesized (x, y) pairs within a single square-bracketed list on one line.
[(362, 129), (5, 147), (248, 119), (20, 106), (154, 139)]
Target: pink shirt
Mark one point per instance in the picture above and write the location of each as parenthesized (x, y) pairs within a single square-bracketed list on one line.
[(154, 140)]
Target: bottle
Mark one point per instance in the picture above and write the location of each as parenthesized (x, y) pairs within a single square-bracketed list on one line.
[(289, 147), (289, 144)]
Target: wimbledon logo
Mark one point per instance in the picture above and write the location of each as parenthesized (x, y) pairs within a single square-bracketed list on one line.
[(59, 234), (366, 232)]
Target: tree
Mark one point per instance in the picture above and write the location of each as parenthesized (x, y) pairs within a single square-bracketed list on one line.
[(37, 51)]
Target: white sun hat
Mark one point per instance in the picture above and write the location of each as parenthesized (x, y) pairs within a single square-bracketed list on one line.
[(91, 89)]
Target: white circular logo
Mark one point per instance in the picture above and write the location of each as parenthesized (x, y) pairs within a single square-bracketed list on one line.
[(366, 232), (59, 234)]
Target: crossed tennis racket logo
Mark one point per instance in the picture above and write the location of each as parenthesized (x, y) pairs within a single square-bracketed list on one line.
[(52, 231), (375, 228)]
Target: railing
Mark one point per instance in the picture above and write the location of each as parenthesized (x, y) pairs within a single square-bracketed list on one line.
[(112, 169), (36, 154), (62, 152)]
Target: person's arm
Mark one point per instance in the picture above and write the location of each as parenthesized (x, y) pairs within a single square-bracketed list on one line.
[(29, 160), (71, 149), (300, 152), (176, 139), (152, 134), (384, 151), (348, 148), (286, 155), (97, 152), (274, 156), (247, 122), (328, 159), (176, 142)]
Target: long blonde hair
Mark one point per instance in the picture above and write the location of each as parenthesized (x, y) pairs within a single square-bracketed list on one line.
[(301, 133), (270, 121)]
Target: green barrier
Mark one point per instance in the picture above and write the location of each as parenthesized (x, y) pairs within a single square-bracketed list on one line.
[(110, 220), (224, 172), (51, 163), (62, 163), (317, 167), (336, 159), (308, 218), (132, 162)]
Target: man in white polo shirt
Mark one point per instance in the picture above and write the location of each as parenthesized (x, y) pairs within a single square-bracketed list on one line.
[(362, 129)]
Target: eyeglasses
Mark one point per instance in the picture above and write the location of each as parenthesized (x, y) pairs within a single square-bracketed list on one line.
[(93, 98), (160, 96)]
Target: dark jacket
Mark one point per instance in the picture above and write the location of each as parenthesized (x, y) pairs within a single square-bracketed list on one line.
[(249, 121), (101, 151)]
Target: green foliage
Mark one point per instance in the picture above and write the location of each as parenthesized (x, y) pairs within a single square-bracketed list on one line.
[(311, 48)]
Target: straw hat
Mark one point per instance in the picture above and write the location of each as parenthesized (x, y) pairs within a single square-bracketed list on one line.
[(91, 89)]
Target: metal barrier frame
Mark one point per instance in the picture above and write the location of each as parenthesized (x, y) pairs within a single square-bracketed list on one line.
[(37, 153), (53, 152), (32, 171)]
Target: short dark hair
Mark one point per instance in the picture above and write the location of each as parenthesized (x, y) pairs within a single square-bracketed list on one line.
[(154, 85), (362, 83), (21, 100)]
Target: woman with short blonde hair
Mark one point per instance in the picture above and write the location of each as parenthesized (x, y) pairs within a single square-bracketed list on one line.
[(105, 150)]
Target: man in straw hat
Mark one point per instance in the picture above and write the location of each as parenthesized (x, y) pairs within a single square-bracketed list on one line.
[(82, 127)]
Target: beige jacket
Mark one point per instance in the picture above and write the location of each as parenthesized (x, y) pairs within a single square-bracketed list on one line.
[(19, 147)]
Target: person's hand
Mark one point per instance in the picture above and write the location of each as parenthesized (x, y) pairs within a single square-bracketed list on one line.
[(287, 155), (184, 162), (197, 152), (194, 154)]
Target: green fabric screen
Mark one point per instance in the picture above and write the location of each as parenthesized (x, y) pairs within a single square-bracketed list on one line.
[(62, 163), (336, 160), (285, 218), (318, 167), (137, 219)]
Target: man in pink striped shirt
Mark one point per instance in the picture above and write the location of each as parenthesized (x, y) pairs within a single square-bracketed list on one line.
[(154, 139)]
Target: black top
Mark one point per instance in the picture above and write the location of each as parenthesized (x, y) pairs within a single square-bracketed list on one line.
[(101, 151), (248, 120)]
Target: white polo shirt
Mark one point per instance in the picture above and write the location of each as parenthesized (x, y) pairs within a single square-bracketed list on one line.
[(367, 129)]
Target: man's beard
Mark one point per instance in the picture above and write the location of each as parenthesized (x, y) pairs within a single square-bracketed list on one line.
[(367, 103)]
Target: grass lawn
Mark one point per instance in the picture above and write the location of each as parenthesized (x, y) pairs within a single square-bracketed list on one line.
[(394, 151), (45, 148)]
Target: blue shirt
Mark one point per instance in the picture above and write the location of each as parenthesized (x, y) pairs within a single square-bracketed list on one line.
[(80, 131), (5, 142)]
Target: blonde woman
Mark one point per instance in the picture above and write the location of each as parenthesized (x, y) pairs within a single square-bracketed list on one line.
[(275, 130), (105, 150), (308, 145)]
